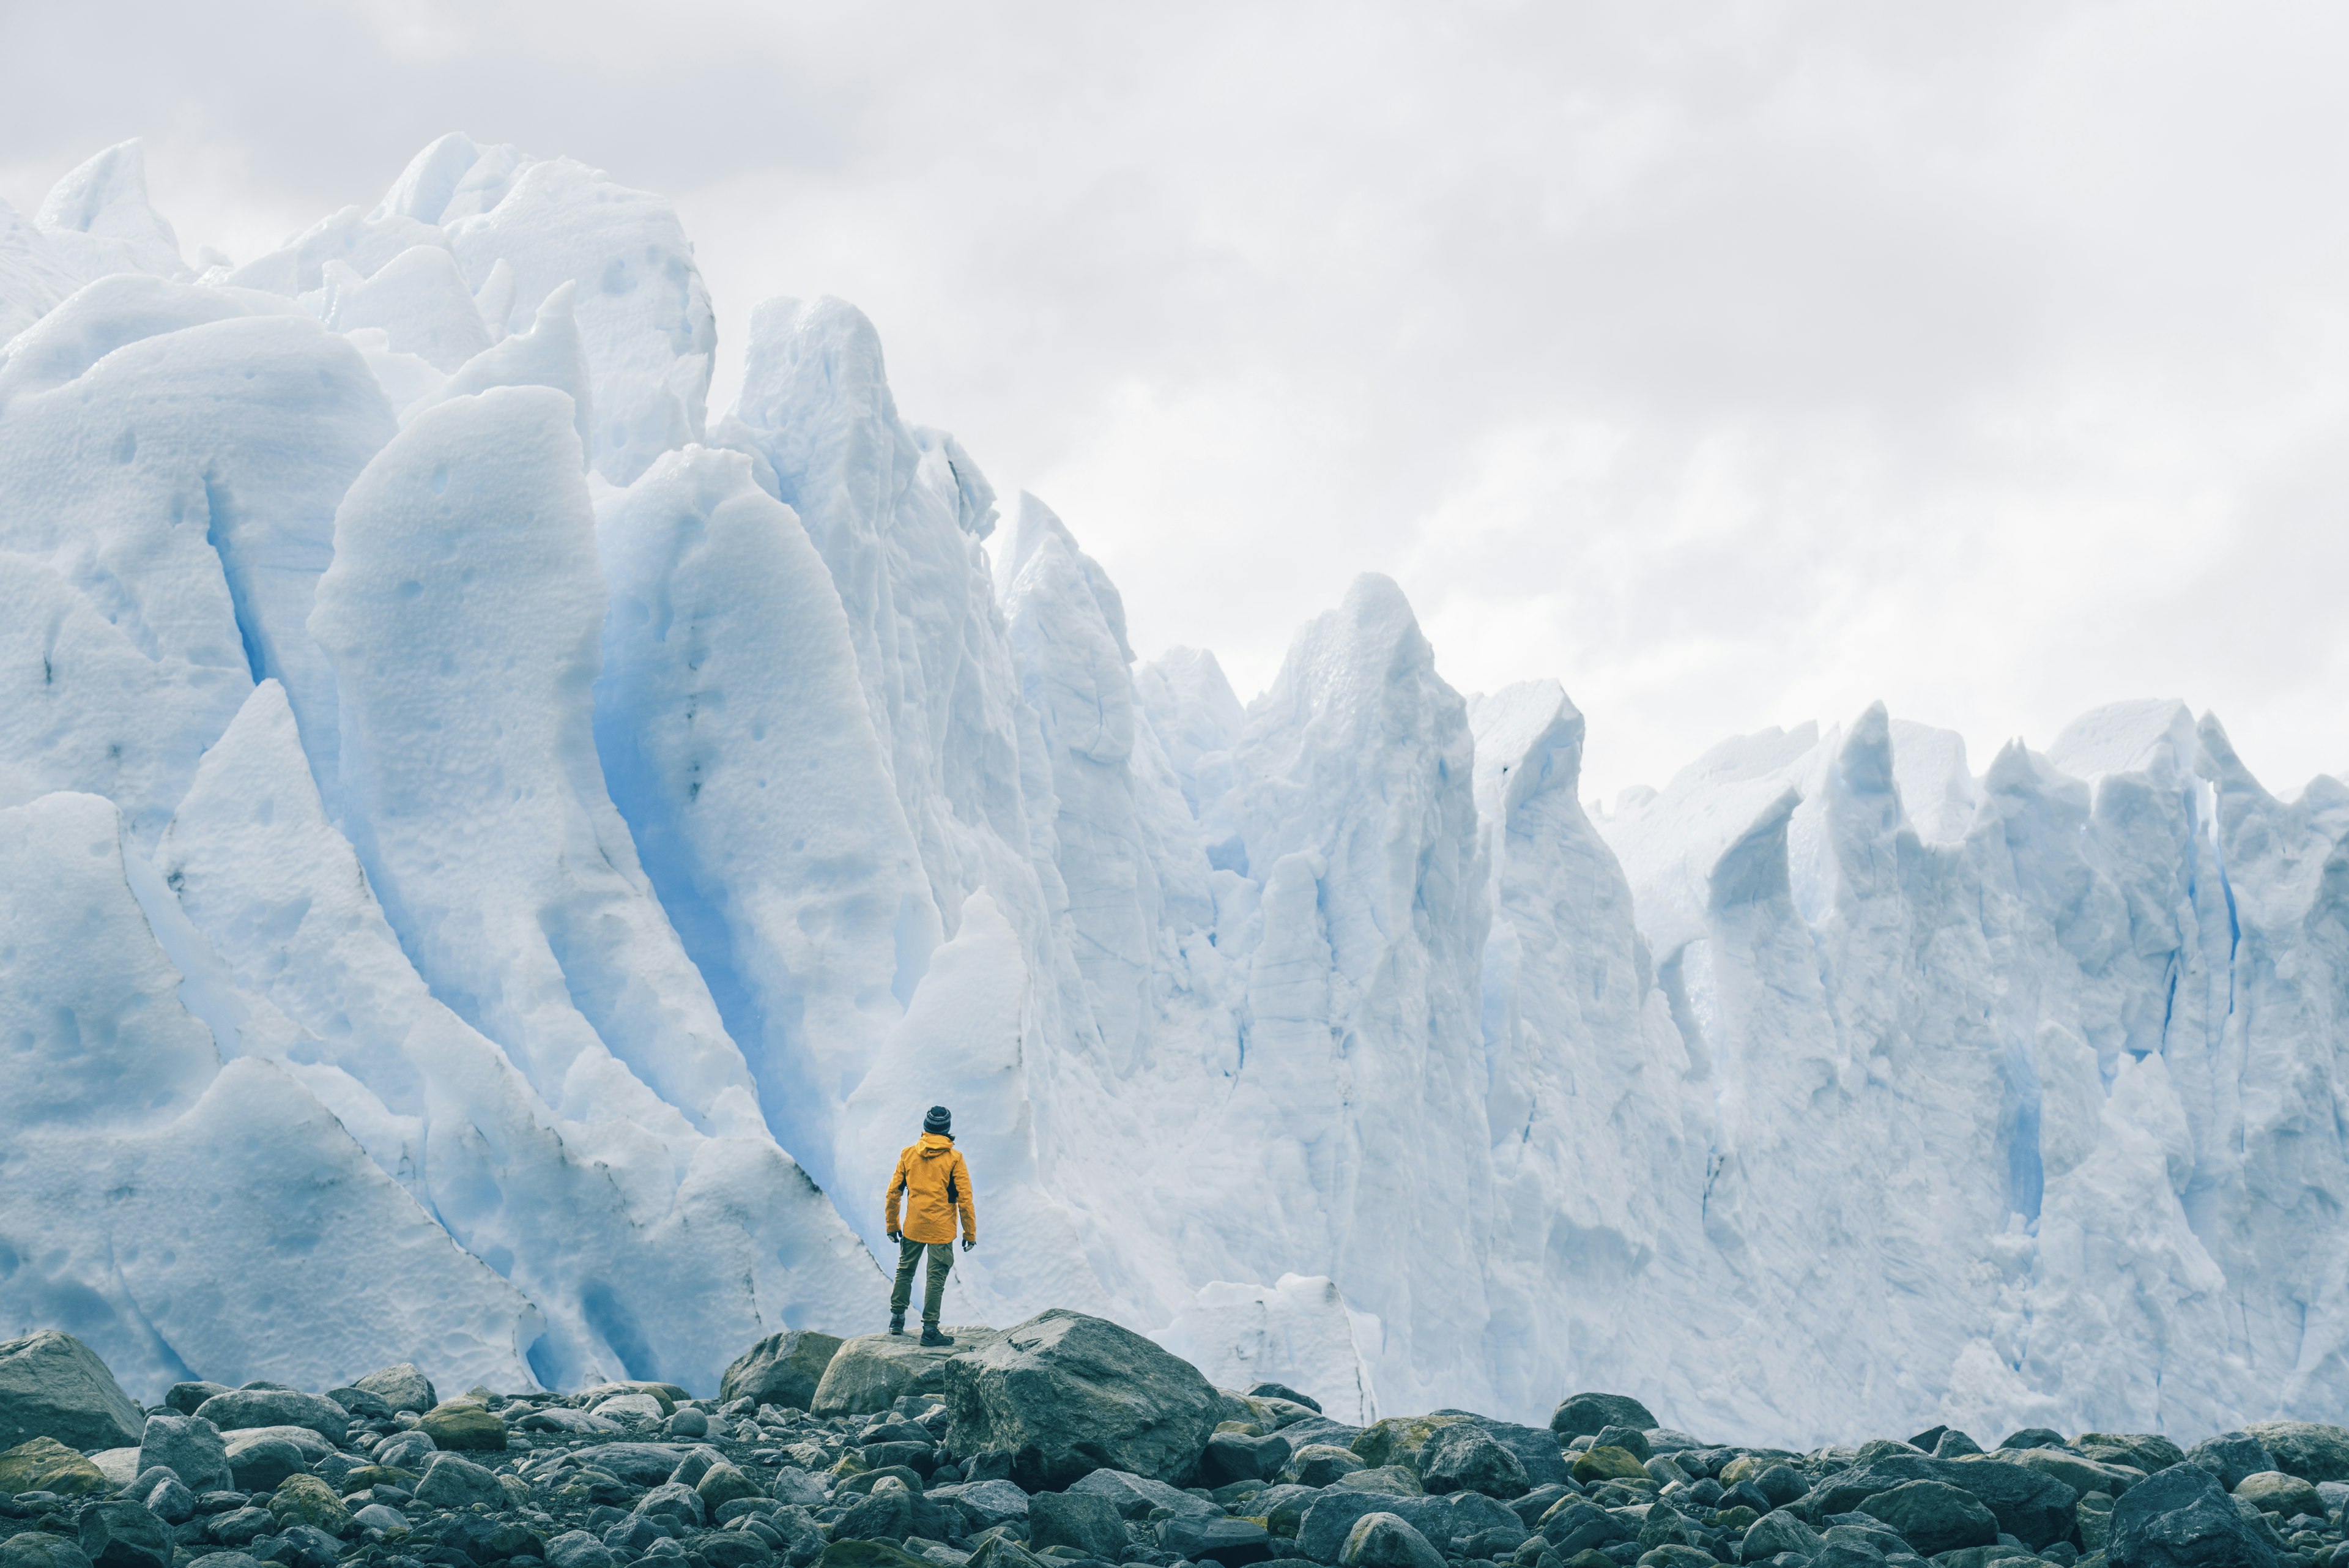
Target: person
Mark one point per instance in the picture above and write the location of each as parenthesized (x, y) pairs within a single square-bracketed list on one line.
[(936, 1185)]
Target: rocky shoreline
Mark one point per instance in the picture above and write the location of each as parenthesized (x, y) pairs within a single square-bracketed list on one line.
[(1065, 1442)]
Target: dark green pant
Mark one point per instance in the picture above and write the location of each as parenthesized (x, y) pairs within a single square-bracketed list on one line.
[(909, 1252)]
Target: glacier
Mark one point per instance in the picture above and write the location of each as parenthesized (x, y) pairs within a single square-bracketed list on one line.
[(494, 860)]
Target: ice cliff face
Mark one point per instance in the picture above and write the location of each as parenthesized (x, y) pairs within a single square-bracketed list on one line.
[(494, 861)]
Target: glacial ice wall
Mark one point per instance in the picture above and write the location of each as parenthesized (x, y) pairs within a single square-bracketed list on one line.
[(494, 860)]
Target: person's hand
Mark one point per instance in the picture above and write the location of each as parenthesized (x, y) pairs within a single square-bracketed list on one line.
[(968, 1243), (895, 1237)]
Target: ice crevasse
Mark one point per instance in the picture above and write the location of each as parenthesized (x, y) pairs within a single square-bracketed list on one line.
[(494, 860)]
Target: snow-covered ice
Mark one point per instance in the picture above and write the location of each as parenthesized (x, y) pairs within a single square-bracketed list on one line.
[(494, 860)]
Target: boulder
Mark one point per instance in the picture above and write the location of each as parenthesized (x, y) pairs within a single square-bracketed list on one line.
[(306, 1500), (54, 1386), (577, 1549), (1398, 1480), (1212, 1538), (44, 1464), (1584, 1415), (638, 1464), (1465, 1458), (2310, 1449), (2182, 1518), (1576, 1526), (161, 1494), (465, 1425), (2033, 1438), (1234, 1457), (410, 1450), (1631, 1440), (2231, 1456), (1934, 1516), (869, 1374), (1385, 1541), (723, 1483), (1537, 1449), (39, 1549), (244, 1409), (188, 1445), (892, 1512), (1283, 1391), (1087, 1522), (780, 1369), (452, 1482), (238, 1527), (1133, 1496), (860, 1553), (1397, 1439), (1606, 1464), (987, 1503), (2035, 1508), (1322, 1464), (1063, 1394), (225, 1560), (380, 1516), (2144, 1451), (118, 1466), (259, 1466), (675, 1504), (125, 1535), (1781, 1484), (629, 1406), (2082, 1475), (1779, 1531), (1323, 1531), (187, 1398), (2273, 1491)]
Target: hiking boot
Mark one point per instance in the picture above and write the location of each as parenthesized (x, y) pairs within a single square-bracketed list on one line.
[(930, 1335), (896, 1323)]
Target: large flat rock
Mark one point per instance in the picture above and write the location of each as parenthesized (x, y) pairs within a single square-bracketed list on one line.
[(54, 1386), (873, 1371)]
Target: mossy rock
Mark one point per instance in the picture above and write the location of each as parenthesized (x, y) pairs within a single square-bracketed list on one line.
[(1608, 1464), (1397, 1439), (461, 1425), (44, 1464), (306, 1500)]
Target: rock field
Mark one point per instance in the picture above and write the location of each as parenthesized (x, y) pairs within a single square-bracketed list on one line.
[(1067, 1441)]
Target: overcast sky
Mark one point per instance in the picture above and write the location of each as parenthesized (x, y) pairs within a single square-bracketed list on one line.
[(1736, 365)]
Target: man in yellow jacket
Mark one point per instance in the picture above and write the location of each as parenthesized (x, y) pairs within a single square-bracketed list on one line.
[(935, 1183)]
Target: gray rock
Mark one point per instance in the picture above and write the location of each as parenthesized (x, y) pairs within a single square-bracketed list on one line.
[(577, 1549), (238, 1526), (687, 1423), (891, 1512), (407, 1450), (1134, 1496), (639, 1464), (265, 1465), (168, 1500), (780, 1369), (1779, 1531), (1322, 1464), (2083, 1475), (379, 1516), (188, 1398), (1283, 1391), (225, 1560), (54, 1386), (1234, 1456), (1322, 1532), (1955, 1445), (453, 1483), (2033, 1438), (39, 1549), (1537, 1449), (402, 1388), (2146, 1451), (1782, 1484), (1585, 1415), (987, 1503), (869, 1374), (634, 1535), (2310, 1449), (1385, 1541), (1476, 1513), (2231, 1456), (1934, 1516), (306, 1546), (1631, 1440), (2273, 1491), (2182, 1518), (1576, 1526), (243, 1409), (794, 1485), (1212, 1538), (1064, 1393), (118, 1466), (1466, 1458), (675, 1504), (125, 1535), (2034, 1507), (1091, 1524), (190, 1446)]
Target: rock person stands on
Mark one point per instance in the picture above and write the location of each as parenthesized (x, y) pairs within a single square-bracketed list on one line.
[(935, 1182)]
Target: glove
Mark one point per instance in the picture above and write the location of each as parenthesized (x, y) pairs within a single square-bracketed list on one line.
[(895, 1237), (968, 1242)]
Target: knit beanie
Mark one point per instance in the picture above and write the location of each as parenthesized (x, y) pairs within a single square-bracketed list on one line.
[(938, 1120)]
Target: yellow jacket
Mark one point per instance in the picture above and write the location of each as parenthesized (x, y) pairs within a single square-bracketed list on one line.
[(935, 1182)]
